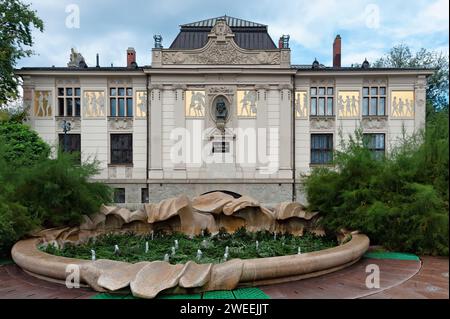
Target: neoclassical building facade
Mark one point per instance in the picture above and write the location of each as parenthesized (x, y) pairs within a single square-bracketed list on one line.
[(222, 108)]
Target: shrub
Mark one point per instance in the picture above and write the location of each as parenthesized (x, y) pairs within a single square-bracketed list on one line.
[(15, 221), (38, 192), (400, 201), (59, 192), (21, 145)]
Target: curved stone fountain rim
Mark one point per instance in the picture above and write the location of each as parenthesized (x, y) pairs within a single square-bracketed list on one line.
[(259, 271)]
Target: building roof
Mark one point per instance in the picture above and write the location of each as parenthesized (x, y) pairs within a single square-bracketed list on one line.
[(232, 22), (248, 35)]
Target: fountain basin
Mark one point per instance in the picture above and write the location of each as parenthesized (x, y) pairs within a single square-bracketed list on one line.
[(148, 279)]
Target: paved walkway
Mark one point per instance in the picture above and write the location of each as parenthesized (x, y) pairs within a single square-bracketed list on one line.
[(398, 279)]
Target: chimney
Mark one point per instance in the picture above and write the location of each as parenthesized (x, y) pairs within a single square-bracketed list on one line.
[(98, 61), (131, 57), (337, 52), (280, 43)]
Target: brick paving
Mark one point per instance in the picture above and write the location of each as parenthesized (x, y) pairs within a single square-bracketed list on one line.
[(430, 283), (16, 284), (399, 279)]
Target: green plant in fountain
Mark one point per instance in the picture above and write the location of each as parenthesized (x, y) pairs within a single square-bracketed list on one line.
[(242, 244)]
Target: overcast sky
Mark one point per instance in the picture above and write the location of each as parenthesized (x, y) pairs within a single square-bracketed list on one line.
[(108, 27)]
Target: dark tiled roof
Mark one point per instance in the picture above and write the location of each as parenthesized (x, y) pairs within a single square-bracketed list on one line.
[(246, 39), (248, 35), (232, 22)]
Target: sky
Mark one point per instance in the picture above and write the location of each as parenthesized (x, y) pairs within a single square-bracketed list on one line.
[(108, 27)]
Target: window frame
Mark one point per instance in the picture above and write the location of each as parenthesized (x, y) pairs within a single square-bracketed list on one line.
[(112, 160), (373, 149), (145, 195), (116, 195), (371, 97), (316, 97), (74, 98), (314, 150), (128, 101), (62, 146)]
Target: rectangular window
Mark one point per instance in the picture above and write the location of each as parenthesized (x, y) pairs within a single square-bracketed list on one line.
[(321, 106), (121, 102), (373, 106), (121, 149), (71, 144), (321, 148), (366, 106), (69, 102), (144, 196), (322, 101), (374, 101), (314, 105), (119, 196), (113, 107), (221, 147), (376, 143)]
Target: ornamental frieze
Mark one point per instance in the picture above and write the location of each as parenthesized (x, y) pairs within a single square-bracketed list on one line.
[(221, 53), (220, 90)]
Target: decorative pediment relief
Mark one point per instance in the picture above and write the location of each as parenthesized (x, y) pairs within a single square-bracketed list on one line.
[(375, 123), (221, 53), (324, 123), (221, 90), (375, 82), (222, 49), (74, 81), (75, 123), (120, 124), (322, 82)]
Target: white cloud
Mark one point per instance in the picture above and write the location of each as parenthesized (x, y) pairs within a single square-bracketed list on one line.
[(108, 28)]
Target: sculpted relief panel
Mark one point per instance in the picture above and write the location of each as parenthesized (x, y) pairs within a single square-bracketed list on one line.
[(348, 104), (195, 103), (221, 53), (402, 104), (247, 104), (141, 104), (43, 104), (301, 104), (94, 103)]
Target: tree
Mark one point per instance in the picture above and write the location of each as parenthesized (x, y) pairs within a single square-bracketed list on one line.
[(17, 21), (401, 56)]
